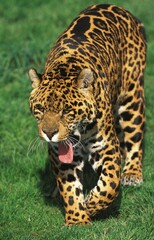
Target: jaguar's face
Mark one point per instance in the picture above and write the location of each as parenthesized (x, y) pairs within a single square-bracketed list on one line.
[(60, 110)]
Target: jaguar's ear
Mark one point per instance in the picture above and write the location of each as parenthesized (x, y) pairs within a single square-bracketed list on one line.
[(34, 77), (85, 78)]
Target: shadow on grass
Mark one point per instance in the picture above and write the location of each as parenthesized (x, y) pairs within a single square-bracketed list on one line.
[(47, 185)]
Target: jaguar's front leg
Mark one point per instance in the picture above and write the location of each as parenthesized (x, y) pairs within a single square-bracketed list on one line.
[(69, 181), (71, 191), (107, 162)]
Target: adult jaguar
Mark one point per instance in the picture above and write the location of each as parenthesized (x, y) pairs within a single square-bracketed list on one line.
[(89, 103)]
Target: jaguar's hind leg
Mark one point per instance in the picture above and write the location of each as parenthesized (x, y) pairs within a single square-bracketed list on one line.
[(132, 108), (132, 122)]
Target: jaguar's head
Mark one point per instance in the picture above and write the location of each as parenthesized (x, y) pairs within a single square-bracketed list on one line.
[(62, 107)]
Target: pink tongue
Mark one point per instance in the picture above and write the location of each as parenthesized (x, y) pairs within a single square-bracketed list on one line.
[(65, 152)]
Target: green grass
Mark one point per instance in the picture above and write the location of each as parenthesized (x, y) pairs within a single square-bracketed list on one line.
[(27, 31)]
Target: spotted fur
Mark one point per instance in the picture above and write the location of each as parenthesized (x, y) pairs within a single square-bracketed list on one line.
[(91, 94)]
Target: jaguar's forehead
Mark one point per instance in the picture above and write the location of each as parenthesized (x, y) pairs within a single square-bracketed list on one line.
[(54, 96), (68, 92)]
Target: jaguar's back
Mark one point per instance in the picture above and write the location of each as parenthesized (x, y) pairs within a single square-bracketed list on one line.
[(105, 38)]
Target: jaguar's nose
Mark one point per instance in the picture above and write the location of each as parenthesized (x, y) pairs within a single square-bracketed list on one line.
[(50, 134)]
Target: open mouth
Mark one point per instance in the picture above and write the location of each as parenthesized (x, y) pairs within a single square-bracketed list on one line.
[(66, 149), (65, 152), (66, 146)]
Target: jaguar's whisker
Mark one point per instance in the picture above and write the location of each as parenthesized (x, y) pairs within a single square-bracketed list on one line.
[(32, 145)]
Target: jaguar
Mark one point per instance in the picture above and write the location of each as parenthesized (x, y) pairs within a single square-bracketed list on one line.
[(90, 106)]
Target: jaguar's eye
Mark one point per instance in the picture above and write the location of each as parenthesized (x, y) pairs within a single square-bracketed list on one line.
[(39, 107), (38, 111), (67, 109), (38, 115)]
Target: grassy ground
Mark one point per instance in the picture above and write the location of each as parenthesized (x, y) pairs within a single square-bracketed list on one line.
[(27, 31)]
